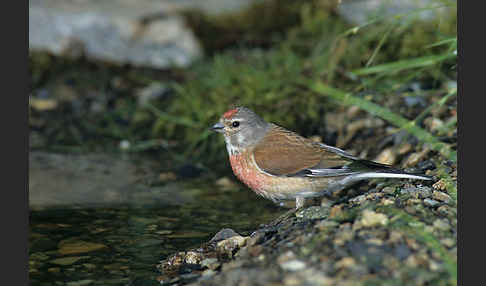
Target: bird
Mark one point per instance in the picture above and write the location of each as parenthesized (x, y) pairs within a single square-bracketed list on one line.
[(279, 164)]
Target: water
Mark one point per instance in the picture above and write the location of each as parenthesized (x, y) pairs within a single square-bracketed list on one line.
[(121, 242)]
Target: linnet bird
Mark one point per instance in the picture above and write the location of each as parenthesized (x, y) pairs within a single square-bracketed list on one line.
[(279, 164)]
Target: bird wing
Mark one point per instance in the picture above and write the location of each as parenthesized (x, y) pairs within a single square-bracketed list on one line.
[(285, 153)]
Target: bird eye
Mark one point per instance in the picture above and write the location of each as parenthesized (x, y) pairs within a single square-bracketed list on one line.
[(235, 124)]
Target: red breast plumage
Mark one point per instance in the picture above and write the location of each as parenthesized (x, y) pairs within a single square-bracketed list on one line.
[(279, 164)]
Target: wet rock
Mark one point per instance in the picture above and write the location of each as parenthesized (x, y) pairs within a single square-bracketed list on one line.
[(76, 247), (313, 212), (146, 33), (38, 256), (68, 260), (223, 234), (371, 218), (231, 245), (42, 104), (54, 269), (193, 257)]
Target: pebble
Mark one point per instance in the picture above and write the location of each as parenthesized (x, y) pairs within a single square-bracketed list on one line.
[(433, 123), (448, 242), (430, 202), (336, 211), (313, 212), (293, 265), (404, 148), (77, 247), (371, 218), (224, 234), (441, 224), (387, 156), (415, 158), (42, 104), (54, 269), (441, 185), (388, 190), (193, 257), (345, 262), (417, 191), (440, 196), (124, 145), (387, 202), (228, 246)]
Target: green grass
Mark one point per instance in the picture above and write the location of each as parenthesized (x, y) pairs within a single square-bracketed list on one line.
[(318, 54)]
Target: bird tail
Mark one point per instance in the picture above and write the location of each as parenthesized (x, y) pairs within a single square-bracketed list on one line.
[(397, 174)]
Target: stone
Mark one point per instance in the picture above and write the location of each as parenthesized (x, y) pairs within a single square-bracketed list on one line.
[(440, 196), (76, 247), (293, 265), (313, 212), (371, 218), (345, 262), (211, 263), (230, 245), (223, 234), (387, 156), (358, 12), (430, 202), (193, 257), (441, 224), (142, 33)]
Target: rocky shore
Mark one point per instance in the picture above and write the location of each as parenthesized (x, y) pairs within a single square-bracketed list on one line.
[(397, 233)]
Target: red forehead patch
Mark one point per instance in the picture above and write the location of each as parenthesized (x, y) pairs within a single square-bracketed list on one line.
[(228, 114)]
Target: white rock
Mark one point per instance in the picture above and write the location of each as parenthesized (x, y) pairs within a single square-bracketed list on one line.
[(142, 33)]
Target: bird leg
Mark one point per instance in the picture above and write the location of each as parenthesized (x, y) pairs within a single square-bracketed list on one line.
[(299, 203)]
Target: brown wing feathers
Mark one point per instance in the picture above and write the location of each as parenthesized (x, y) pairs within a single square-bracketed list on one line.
[(282, 152)]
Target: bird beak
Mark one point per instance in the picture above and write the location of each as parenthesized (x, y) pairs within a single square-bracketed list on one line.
[(218, 127)]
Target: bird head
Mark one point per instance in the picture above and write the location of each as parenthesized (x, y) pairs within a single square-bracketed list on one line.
[(241, 128)]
